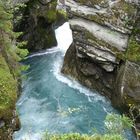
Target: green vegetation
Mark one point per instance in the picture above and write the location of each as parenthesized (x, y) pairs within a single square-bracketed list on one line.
[(10, 53), (8, 37), (8, 89), (133, 51), (5, 18), (115, 126), (77, 136), (62, 13), (134, 112), (51, 15)]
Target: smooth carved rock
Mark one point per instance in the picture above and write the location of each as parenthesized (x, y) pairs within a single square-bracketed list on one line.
[(98, 43), (113, 38), (98, 32), (104, 59)]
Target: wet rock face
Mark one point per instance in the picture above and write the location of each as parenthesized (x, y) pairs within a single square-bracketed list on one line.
[(37, 24), (105, 53), (101, 31), (88, 73)]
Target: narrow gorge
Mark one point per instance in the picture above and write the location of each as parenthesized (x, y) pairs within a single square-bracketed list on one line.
[(81, 73)]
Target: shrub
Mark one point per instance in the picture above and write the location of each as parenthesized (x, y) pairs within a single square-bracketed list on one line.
[(115, 126)]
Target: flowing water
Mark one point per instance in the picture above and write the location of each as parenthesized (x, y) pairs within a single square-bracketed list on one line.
[(55, 103)]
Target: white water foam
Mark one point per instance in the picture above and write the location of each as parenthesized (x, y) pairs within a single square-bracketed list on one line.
[(30, 136), (64, 37), (64, 40), (74, 84), (48, 51), (30, 118)]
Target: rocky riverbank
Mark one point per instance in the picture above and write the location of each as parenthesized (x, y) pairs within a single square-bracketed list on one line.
[(105, 54)]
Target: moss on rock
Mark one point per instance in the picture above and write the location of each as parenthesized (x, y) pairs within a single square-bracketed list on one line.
[(133, 51), (8, 89), (37, 24)]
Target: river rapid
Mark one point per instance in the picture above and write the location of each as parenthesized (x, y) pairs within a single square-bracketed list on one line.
[(55, 103)]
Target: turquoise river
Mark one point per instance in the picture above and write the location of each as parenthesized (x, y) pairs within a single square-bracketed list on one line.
[(55, 103)]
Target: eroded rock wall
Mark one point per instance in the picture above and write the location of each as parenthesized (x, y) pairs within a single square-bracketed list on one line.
[(105, 53)]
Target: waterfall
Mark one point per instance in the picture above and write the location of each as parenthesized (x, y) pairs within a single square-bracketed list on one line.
[(64, 37), (64, 40)]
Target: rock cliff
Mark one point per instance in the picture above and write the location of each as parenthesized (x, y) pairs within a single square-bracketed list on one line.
[(38, 19), (105, 53), (36, 23)]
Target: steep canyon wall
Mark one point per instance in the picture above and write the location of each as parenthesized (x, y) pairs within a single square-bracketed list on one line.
[(105, 53)]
